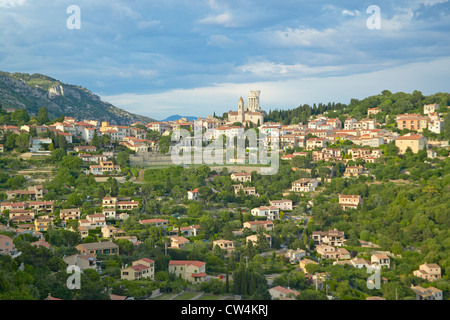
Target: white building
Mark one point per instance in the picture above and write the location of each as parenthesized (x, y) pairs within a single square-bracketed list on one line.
[(193, 195), (271, 213), (430, 108), (283, 204)]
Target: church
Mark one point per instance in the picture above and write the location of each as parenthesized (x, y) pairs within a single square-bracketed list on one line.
[(250, 114)]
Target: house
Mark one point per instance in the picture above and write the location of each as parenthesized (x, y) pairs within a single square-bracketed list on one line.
[(191, 271), (140, 269), (41, 243), (33, 193), (73, 213), (412, 121), (314, 143), (327, 252), (305, 185), (241, 177), (281, 293), (107, 247), (155, 222), (254, 238), (353, 171), (380, 259), (7, 246), (359, 263), (415, 142), (108, 231), (127, 205), (331, 237), (160, 127), (84, 232), (226, 245), (88, 158), (83, 261), (304, 262), (436, 126), (373, 111), (332, 253), (430, 293), (428, 271), (42, 225), (349, 123), (190, 231), (109, 202), (350, 201), (281, 204), (178, 242), (271, 213), (193, 195), (13, 206), (109, 213), (104, 167), (41, 206), (93, 221), (430, 108), (1, 148), (248, 191), (295, 256), (21, 214), (256, 225)]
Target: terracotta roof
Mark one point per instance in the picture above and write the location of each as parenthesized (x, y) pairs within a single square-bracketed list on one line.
[(285, 290), (410, 137), (186, 263)]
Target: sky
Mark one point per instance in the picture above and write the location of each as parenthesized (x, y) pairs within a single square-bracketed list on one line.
[(196, 57)]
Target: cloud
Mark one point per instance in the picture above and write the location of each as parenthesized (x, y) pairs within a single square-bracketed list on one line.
[(11, 3), (270, 69), (289, 93), (162, 46), (346, 12), (224, 19)]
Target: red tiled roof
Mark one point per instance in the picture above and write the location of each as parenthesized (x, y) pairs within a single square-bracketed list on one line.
[(186, 263)]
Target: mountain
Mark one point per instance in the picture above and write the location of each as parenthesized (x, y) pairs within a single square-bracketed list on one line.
[(31, 92), (178, 117)]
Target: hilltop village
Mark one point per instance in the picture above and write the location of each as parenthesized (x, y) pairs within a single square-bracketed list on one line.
[(358, 209)]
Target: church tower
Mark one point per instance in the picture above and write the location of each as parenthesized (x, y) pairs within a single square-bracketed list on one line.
[(241, 112), (253, 101)]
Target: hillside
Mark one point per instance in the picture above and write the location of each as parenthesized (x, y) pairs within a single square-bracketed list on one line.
[(390, 104), (178, 117), (21, 90)]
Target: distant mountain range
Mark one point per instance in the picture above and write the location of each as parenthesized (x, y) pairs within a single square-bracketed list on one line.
[(31, 92), (178, 117)]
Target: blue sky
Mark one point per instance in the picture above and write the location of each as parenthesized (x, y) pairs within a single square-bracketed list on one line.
[(194, 57)]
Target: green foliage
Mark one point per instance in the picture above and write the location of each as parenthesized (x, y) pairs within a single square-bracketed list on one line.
[(42, 116)]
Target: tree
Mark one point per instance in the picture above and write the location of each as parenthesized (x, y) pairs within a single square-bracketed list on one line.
[(114, 189), (447, 126), (10, 142), (123, 159), (60, 142), (20, 116), (42, 116), (16, 182), (164, 144), (310, 294), (57, 155), (96, 141), (22, 142)]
